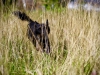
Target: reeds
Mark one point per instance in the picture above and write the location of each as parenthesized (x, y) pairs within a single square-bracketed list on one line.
[(74, 39)]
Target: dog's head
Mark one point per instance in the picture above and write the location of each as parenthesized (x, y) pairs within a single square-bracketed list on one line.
[(41, 32), (42, 36), (46, 42)]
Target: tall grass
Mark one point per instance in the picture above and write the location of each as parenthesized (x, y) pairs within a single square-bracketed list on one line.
[(74, 39)]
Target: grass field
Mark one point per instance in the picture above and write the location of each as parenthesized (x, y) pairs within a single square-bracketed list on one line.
[(74, 39)]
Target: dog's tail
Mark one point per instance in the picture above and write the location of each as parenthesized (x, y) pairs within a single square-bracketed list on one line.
[(22, 16)]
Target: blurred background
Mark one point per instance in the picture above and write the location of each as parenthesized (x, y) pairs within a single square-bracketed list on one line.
[(50, 4)]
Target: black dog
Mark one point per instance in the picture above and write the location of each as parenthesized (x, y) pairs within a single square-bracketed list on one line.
[(37, 33)]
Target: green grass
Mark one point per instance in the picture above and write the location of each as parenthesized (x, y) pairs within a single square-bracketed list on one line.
[(74, 39)]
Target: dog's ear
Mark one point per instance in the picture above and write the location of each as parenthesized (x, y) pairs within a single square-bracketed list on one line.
[(47, 26)]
